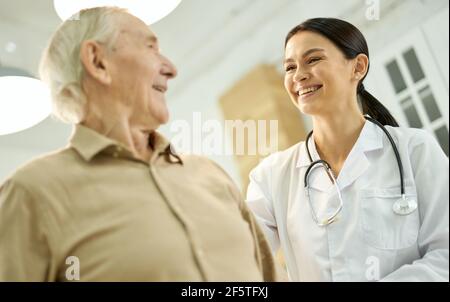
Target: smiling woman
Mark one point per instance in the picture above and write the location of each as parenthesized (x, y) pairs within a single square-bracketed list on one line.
[(373, 196)]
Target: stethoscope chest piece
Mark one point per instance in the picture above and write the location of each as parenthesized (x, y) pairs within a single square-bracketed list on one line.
[(404, 206)]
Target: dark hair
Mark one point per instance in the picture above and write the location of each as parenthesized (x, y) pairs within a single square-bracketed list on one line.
[(352, 43)]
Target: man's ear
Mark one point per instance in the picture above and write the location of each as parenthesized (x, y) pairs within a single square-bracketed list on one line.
[(361, 66), (93, 58)]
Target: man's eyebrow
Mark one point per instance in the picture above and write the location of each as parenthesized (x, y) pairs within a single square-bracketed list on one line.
[(151, 38), (306, 53)]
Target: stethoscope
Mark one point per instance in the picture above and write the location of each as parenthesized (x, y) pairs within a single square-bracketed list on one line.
[(403, 206)]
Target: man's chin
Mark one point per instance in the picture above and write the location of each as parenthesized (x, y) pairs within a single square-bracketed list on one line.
[(160, 116), (164, 118), (161, 120)]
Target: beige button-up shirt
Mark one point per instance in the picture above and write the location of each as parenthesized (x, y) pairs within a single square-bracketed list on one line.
[(93, 210)]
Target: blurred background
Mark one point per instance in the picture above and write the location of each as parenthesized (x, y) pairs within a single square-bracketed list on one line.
[(229, 58)]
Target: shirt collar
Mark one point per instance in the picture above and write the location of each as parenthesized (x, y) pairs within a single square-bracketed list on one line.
[(89, 143), (370, 138)]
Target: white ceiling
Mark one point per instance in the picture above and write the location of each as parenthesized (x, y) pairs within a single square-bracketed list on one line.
[(184, 33), (197, 36)]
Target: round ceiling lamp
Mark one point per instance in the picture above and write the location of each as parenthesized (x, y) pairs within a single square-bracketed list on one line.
[(150, 11), (24, 101)]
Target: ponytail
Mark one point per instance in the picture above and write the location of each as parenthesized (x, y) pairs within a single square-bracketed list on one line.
[(373, 107)]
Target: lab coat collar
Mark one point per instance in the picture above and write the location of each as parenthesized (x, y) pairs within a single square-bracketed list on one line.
[(370, 139)]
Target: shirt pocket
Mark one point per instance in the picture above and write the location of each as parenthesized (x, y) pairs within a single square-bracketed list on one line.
[(381, 227)]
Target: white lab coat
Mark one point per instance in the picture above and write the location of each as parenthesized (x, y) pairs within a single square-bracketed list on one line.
[(369, 241)]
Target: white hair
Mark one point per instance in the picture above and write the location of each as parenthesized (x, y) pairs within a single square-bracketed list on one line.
[(61, 68)]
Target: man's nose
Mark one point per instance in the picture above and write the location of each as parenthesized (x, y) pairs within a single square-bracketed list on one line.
[(169, 69)]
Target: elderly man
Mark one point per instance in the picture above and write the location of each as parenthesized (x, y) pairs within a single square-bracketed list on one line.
[(118, 204)]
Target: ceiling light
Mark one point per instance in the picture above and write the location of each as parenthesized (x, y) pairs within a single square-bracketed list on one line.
[(150, 11), (24, 101)]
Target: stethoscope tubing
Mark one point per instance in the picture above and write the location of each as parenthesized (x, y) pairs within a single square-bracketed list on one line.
[(391, 140)]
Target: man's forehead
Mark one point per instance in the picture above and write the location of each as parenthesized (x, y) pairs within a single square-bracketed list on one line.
[(139, 34), (133, 26)]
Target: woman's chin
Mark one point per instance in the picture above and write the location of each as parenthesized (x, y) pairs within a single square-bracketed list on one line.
[(307, 108)]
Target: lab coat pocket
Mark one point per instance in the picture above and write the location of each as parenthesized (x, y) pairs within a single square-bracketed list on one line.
[(381, 227)]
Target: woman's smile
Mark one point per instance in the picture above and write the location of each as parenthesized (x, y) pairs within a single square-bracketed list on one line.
[(308, 93)]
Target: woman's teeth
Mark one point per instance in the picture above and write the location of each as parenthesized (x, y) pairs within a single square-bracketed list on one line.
[(308, 90)]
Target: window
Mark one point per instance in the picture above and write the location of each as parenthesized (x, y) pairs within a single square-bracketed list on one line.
[(396, 76), (413, 65), (411, 113), (429, 103), (416, 97)]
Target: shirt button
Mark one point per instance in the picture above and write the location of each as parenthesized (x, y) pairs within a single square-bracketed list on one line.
[(115, 154)]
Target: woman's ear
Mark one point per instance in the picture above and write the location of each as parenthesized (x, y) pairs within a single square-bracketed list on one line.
[(92, 55), (361, 66)]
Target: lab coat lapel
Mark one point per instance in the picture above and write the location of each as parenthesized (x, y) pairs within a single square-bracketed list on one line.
[(355, 165), (357, 162)]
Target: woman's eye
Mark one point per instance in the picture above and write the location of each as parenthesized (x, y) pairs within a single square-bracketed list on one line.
[(289, 68), (312, 60)]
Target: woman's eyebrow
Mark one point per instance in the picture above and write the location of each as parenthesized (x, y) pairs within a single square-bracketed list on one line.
[(310, 51), (305, 54), (288, 60)]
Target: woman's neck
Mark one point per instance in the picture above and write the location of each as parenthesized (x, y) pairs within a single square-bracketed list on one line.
[(335, 136)]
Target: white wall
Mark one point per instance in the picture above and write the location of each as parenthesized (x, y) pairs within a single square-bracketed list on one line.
[(13, 157), (18, 148)]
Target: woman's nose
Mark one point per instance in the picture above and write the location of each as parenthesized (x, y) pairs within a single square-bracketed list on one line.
[(300, 76)]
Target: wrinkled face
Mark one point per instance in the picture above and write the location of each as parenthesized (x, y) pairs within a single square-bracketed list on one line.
[(318, 77), (140, 73)]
